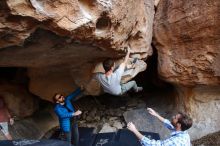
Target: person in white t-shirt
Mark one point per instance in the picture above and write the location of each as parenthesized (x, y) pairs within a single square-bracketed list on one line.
[(111, 80)]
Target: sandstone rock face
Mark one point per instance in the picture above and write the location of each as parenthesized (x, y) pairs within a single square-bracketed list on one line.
[(19, 101), (187, 37), (203, 105), (34, 127), (13, 30), (65, 39)]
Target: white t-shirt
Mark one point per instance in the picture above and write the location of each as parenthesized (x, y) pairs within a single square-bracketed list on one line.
[(111, 84)]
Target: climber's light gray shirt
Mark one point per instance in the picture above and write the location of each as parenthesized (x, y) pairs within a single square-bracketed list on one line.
[(111, 83)]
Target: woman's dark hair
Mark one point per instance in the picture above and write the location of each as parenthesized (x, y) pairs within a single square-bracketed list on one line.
[(108, 64), (185, 121)]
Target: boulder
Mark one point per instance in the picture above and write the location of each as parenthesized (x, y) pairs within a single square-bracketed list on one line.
[(202, 103), (61, 42), (107, 129), (34, 127), (19, 101), (187, 38), (14, 30), (118, 125)]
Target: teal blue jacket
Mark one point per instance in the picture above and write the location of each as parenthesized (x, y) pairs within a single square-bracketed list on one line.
[(65, 112)]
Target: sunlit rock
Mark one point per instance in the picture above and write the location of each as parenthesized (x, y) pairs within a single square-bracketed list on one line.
[(186, 35), (60, 42), (187, 38)]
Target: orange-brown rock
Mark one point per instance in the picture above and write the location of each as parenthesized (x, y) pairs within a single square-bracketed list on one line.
[(19, 101), (187, 37), (108, 24), (203, 105), (13, 30), (60, 42)]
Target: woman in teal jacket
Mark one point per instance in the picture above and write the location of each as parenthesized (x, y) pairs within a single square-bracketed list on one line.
[(65, 112)]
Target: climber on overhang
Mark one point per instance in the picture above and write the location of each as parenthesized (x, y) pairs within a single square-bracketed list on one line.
[(111, 79), (68, 116)]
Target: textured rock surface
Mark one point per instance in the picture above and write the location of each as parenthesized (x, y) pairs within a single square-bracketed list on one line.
[(211, 139), (19, 101), (203, 104), (146, 122), (14, 30), (187, 37), (33, 127), (61, 41)]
